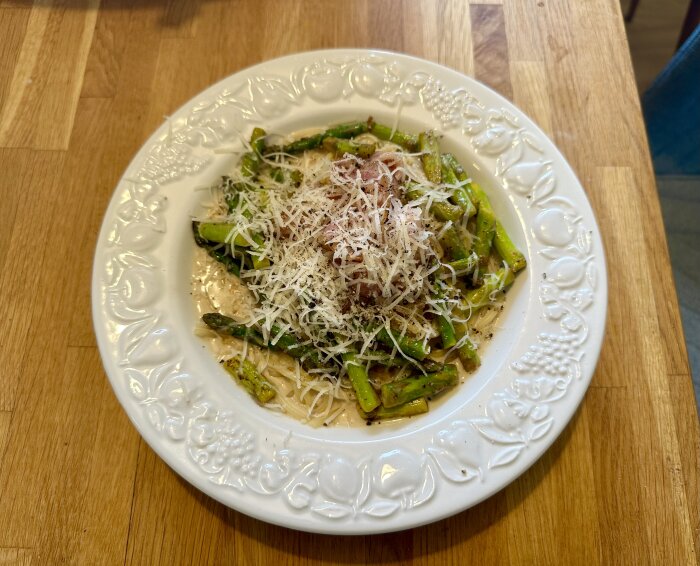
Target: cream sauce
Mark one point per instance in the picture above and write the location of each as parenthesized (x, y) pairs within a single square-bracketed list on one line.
[(214, 289)]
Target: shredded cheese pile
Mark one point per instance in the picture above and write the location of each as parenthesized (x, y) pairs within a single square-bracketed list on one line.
[(348, 255)]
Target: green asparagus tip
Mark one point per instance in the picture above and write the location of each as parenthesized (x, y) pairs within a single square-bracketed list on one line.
[(250, 378)]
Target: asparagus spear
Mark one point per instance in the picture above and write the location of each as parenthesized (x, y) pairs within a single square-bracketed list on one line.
[(278, 175), (485, 227), (219, 232), (461, 267), (408, 141), (447, 331), (258, 262), (232, 198), (250, 162), (286, 342), (462, 176), (366, 395), (485, 218), (201, 242), (296, 176), (283, 341), (257, 140), (304, 144), (410, 388), (415, 407), (345, 131), (441, 210), (479, 195), (432, 167), (250, 165), (427, 365), (217, 251), (229, 327), (349, 130), (250, 378), (444, 323), (383, 359), (454, 247), (467, 351), (340, 147), (409, 346), (459, 195), (229, 262), (507, 250), (479, 297)]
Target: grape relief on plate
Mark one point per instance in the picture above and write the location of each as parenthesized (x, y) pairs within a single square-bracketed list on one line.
[(332, 485)]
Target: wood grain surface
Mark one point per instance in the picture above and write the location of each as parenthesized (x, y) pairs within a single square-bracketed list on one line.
[(83, 83)]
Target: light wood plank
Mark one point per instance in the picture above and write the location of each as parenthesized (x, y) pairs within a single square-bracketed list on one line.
[(21, 78), (13, 25), (47, 78), (180, 19), (106, 511), (86, 166), (186, 518), (285, 26), (70, 446), (622, 212), (5, 419), (42, 481), (466, 537), (531, 92), (687, 429), (25, 222), (10, 4), (455, 45), (440, 32), (10, 201), (562, 482), (54, 400), (421, 26), (621, 515), (491, 63), (674, 351), (77, 485), (385, 29), (17, 557), (106, 50), (39, 322), (529, 15)]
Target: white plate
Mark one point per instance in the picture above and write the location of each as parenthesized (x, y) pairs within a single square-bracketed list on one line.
[(371, 479)]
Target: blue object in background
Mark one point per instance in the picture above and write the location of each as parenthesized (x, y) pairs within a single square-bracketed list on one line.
[(680, 204), (672, 112)]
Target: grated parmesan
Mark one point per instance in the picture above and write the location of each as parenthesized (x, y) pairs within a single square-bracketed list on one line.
[(348, 255)]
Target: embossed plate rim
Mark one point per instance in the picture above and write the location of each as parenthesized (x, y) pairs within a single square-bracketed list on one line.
[(317, 488)]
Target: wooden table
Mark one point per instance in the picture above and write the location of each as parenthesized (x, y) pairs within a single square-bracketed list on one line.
[(82, 85)]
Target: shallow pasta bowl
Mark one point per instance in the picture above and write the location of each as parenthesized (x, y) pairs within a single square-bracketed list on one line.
[(478, 439)]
